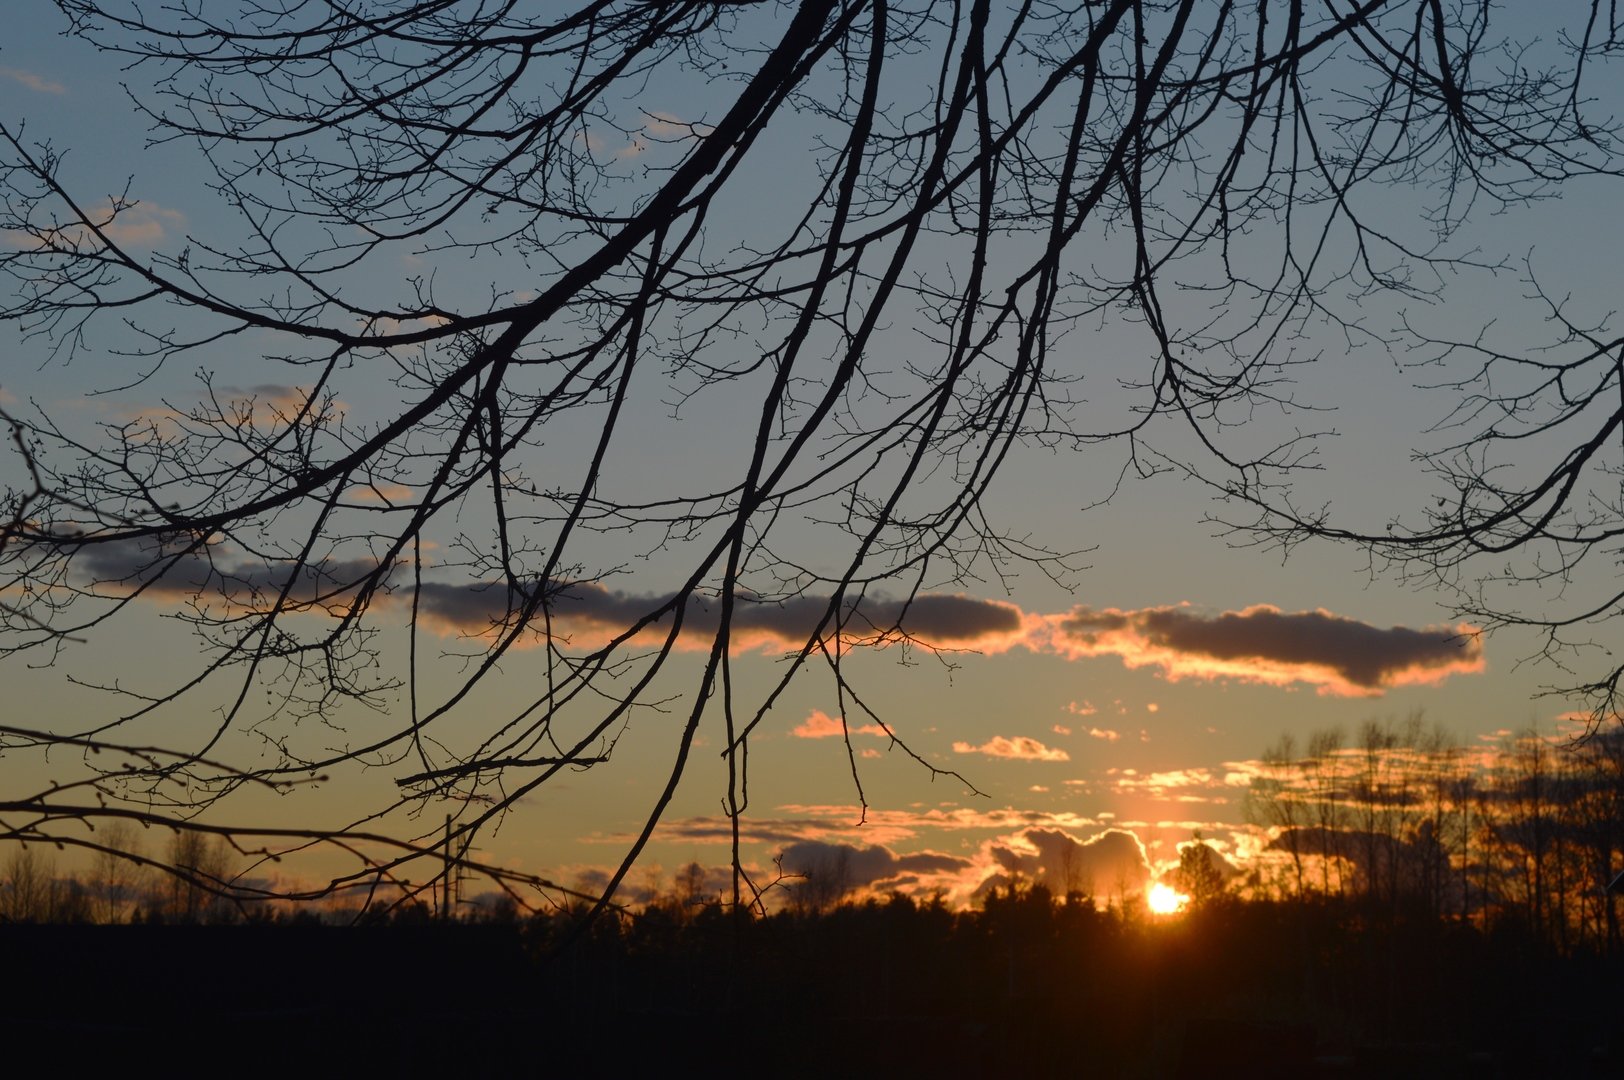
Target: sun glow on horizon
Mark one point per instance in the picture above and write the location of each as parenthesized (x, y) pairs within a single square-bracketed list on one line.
[(1165, 900)]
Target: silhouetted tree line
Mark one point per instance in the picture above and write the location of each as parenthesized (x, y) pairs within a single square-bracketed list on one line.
[(1034, 983), (188, 878), (1028, 983), (1403, 817), (1399, 818)]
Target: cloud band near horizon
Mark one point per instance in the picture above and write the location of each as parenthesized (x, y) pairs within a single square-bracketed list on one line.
[(1263, 644), (1335, 654)]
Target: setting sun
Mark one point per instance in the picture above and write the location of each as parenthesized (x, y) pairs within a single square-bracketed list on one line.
[(1165, 900)]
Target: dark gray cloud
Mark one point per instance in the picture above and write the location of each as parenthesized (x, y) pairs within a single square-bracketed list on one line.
[(1109, 863), (1264, 644), (946, 620), (170, 569), (866, 865), (826, 873), (178, 569), (1409, 863)]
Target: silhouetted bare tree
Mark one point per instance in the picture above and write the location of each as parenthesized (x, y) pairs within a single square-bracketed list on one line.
[(475, 255), (26, 885), (1200, 873)]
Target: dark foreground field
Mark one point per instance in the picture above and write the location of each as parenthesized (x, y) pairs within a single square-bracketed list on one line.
[(1027, 987)]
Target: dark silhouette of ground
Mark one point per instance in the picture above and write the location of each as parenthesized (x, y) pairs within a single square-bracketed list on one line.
[(1027, 986)]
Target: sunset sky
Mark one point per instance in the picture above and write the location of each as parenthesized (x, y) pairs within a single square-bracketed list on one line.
[(1111, 713)]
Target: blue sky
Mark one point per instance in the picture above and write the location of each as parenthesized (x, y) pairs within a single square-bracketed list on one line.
[(1059, 718)]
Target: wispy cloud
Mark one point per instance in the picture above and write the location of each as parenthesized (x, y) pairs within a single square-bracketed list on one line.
[(797, 822), (34, 81), (1194, 785), (381, 494), (865, 865), (1019, 748)]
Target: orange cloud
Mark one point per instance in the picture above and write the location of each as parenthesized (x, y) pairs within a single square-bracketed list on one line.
[(1020, 748), (820, 725), (1104, 733)]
